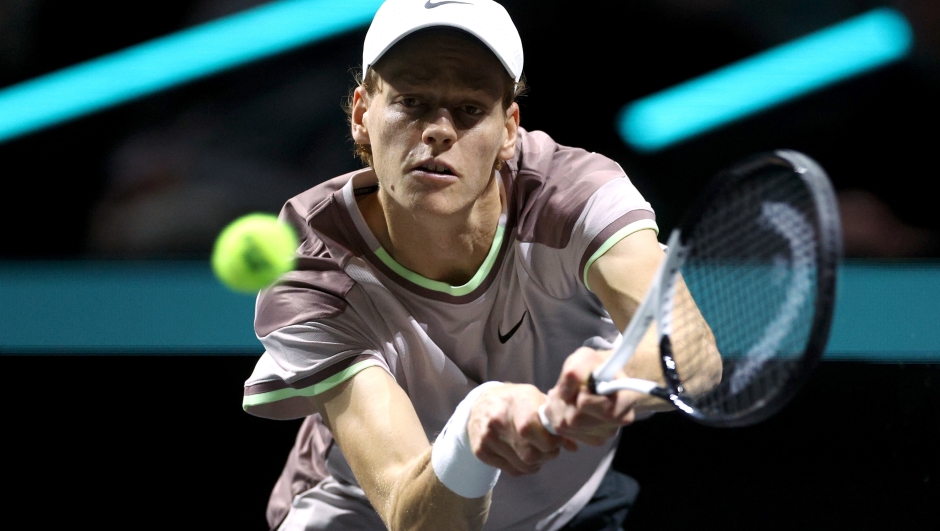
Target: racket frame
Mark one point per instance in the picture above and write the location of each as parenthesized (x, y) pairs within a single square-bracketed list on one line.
[(658, 300)]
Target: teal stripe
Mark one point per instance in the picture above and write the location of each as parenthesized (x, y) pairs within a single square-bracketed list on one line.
[(884, 312), (847, 49), (175, 59), (887, 313), (122, 308)]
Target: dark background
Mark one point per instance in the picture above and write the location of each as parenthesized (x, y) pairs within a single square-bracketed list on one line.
[(159, 177), (161, 441), (127, 442)]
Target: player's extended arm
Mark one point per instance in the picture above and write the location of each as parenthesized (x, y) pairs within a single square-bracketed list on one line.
[(378, 430), (620, 279)]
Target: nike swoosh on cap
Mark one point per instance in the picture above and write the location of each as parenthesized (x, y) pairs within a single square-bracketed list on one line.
[(431, 5)]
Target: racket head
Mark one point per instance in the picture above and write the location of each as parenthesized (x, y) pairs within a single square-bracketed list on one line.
[(763, 247)]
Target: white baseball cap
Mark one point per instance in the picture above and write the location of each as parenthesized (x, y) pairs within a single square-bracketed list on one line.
[(484, 19)]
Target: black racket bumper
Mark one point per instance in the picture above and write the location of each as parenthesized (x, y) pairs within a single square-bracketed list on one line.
[(673, 383)]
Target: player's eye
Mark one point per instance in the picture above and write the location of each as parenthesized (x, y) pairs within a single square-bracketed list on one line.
[(408, 102), (472, 110)]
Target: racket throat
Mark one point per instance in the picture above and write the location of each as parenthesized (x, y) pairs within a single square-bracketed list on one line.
[(673, 384)]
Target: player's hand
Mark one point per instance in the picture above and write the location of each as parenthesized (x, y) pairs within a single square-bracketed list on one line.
[(577, 413), (505, 430)]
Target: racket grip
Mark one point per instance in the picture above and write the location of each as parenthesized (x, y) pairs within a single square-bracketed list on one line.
[(592, 384)]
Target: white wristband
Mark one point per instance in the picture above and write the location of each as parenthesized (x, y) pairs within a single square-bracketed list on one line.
[(452, 458)]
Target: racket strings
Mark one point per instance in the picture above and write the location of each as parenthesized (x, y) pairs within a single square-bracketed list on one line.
[(749, 291)]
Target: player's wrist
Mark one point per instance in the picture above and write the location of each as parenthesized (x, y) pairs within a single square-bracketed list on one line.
[(452, 458)]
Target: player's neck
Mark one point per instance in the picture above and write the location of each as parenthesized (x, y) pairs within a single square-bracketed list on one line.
[(449, 249)]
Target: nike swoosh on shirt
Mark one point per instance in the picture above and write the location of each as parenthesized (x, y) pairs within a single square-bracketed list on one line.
[(505, 338), (431, 5)]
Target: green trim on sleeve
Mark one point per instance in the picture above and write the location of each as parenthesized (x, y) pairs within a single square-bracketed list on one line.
[(613, 240), (313, 390), (443, 287)]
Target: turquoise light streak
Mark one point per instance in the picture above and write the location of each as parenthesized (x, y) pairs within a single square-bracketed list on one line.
[(847, 49), (884, 312), (175, 59)]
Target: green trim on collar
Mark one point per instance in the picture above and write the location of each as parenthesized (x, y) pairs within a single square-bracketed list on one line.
[(455, 291)]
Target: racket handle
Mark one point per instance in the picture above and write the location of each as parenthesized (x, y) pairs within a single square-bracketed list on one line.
[(628, 384), (607, 388), (547, 424)]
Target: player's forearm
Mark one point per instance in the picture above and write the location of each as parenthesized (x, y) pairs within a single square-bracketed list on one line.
[(412, 484), (646, 364), (621, 279), (419, 501), (696, 353), (693, 344)]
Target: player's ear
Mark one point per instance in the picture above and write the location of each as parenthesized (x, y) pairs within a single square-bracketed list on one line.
[(508, 148), (360, 111)]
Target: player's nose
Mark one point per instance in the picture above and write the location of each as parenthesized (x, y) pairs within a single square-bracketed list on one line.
[(440, 130)]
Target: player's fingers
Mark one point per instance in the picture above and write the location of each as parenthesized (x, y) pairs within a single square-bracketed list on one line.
[(617, 407), (594, 437), (576, 371), (601, 407), (521, 457), (530, 455), (533, 444), (624, 409), (493, 459), (569, 383), (514, 461), (578, 422), (536, 435), (562, 415), (593, 434), (590, 429), (495, 451)]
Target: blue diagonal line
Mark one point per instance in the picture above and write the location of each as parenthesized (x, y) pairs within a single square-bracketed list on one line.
[(175, 59), (847, 49)]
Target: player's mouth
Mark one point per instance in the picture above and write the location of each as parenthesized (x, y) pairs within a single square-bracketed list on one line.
[(433, 168)]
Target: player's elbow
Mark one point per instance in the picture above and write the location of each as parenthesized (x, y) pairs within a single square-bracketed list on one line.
[(417, 501), (426, 515)]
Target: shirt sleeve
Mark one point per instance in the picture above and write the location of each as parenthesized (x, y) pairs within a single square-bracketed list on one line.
[(615, 211), (573, 206), (313, 340)]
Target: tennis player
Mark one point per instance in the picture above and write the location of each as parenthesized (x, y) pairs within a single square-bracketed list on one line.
[(447, 291)]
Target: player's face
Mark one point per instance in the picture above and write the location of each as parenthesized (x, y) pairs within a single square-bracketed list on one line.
[(436, 124)]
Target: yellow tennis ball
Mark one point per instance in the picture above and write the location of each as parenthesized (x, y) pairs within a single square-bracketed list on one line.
[(253, 251)]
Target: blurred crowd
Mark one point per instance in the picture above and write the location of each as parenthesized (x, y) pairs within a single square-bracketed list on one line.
[(248, 140)]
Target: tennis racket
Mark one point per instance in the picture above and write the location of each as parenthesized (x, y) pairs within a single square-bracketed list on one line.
[(752, 272)]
